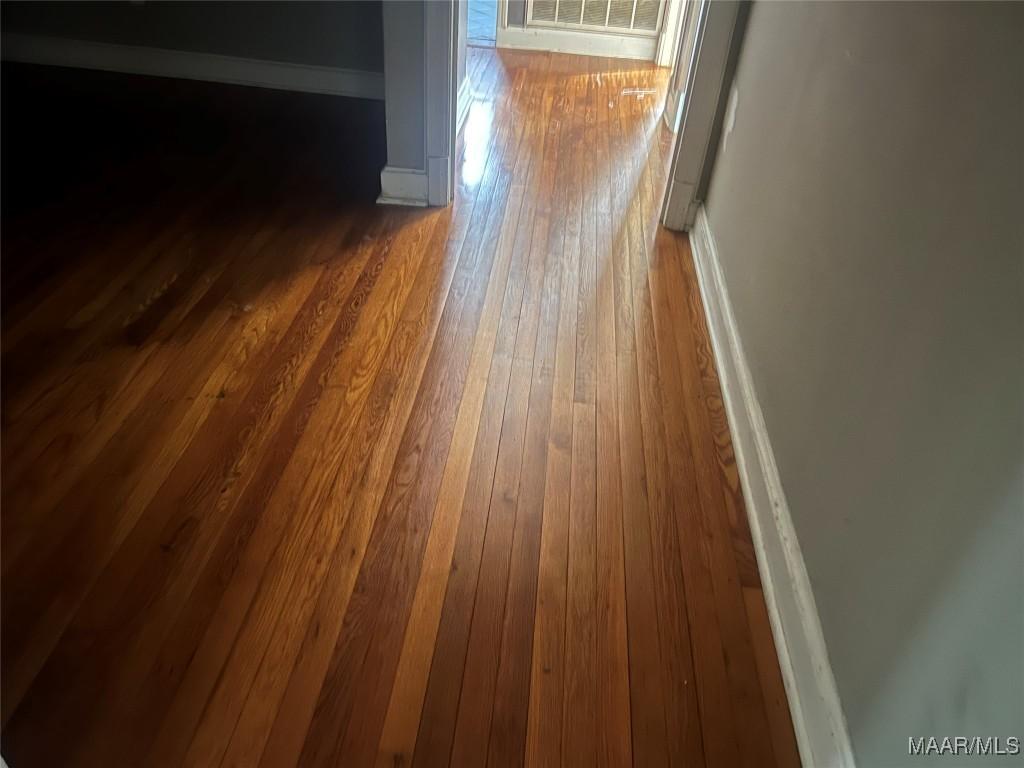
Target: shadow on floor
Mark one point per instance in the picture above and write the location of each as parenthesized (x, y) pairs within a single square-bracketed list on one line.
[(81, 147)]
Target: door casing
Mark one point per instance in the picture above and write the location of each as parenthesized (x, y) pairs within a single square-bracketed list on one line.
[(704, 80)]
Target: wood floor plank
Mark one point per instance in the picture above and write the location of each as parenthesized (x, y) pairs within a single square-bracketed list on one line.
[(379, 610), (614, 716), (717, 717), (712, 685), (337, 402), (191, 661), (544, 727), (114, 596), (368, 470), (579, 727), (753, 739), (227, 552), (646, 683), (82, 567), (48, 323), (774, 690), (307, 536), (405, 706), (524, 429), (441, 700), (573, 709), (96, 422), (90, 403), (421, 333), (547, 672), (685, 745), (35, 310), (97, 351), (359, 486), (410, 340), (507, 738), (298, 480), (743, 547)]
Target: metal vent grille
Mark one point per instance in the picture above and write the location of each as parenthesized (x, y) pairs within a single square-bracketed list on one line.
[(544, 10), (646, 14), (595, 12), (621, 15), (635, 17), (570, 11)]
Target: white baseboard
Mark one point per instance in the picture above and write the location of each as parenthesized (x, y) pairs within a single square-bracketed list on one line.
[(439, 180), (190, 65), (463, 102), (579, 42), (403, 186), (818, 717)]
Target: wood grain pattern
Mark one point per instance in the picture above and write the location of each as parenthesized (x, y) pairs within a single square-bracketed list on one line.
[(296, 480)]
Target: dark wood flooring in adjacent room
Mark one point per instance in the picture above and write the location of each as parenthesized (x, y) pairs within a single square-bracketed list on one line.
[(290, 479)]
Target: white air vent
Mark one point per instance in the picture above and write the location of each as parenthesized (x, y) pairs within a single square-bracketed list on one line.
[(633, 17)]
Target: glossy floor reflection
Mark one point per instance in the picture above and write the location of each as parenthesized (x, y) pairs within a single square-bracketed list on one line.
[(290, 480)]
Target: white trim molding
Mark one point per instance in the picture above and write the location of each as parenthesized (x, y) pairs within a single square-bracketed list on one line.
[(818, 718), (420, 103), (715, 29), (578, 42), (192, 65), (440, 98), (463, 101), (671, 31), (403, 186)]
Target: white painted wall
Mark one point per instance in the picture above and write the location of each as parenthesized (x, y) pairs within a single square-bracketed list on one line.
[(331, 34), (867, 207)]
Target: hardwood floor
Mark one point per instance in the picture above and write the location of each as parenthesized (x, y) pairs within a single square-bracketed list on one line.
[(293, 480)]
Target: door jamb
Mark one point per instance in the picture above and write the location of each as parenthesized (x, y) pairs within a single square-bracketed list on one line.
[(670, 36), (440, 98), (720, 26)]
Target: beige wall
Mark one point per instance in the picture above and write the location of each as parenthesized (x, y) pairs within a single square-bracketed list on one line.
[(335, 34), (867, 205)]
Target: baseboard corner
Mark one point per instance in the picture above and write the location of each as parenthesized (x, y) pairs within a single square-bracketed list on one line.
[(403, 186)]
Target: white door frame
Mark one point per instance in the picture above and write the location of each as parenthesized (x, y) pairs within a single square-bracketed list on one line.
[(441, 98), (683, 55), (420, 93), (671, 31), (717, 33)]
